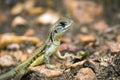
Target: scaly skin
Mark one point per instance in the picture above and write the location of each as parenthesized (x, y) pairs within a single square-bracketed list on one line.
[(42, 54)]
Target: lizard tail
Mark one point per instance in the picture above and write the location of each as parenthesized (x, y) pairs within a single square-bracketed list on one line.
[(13, 74), (7, 75)]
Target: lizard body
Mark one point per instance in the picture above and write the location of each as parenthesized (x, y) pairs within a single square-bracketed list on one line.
[(42, 54)]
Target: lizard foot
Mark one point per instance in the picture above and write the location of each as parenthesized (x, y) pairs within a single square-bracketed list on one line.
[(50, 66)]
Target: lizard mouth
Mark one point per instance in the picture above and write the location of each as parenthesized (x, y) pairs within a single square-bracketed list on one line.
[(69, 24)]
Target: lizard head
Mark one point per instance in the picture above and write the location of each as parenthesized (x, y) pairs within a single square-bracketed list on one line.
[(60, 27)]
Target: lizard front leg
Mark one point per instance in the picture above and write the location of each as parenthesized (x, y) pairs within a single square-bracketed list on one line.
[(47, 63), (58, 54)]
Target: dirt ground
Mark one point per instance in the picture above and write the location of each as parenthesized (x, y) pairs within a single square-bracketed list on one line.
[(94, 38)]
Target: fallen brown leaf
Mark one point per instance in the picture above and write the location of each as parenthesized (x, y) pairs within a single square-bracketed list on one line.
[(70, 65), (6, 39), (36, 10), (86, 38), (29, 4), (29, 32), (17, 9), (66, 40)]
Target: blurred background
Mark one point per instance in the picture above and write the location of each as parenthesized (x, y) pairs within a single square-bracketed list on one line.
[(30, 13), (25, 17)]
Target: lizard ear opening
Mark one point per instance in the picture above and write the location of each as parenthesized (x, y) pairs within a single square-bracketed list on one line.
[(55, 31), (51, 38)]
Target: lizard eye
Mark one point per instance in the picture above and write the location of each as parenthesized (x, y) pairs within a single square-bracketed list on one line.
[(55, 31), (63, 24)]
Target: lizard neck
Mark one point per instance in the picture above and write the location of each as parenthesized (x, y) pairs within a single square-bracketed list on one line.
[(53, 39)]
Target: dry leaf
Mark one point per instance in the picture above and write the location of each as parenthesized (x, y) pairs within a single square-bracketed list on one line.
[(6, 39), (86, 38), (36, 10), (29, 4), (29, 32), (13, 46), (17, 9), (70, 65)]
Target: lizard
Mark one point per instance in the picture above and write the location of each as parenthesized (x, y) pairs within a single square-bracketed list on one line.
[(43, 53)]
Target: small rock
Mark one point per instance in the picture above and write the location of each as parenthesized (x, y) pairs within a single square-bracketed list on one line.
[(100, 26), (84, 30), (6, 61), (85, 74), (13, 46), (104, 61), (49, 17), (30, 50), (104, 64), (18, 21), (97, 53), (114, 47), (17, 9), (44, 72)]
